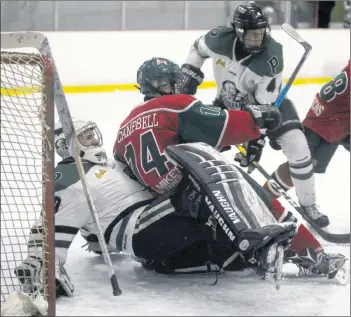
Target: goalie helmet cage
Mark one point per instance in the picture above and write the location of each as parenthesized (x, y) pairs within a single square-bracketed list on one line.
[(27, 159)]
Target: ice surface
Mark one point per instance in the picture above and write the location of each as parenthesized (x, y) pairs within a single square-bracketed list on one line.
[(236, 294)]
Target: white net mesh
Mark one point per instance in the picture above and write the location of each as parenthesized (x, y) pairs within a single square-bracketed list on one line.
[(24, 162)]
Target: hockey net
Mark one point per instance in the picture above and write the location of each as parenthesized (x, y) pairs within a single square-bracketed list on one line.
[(27, 163)]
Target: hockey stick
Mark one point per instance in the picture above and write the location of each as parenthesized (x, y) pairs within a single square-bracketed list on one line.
[(72, 141), (307, 47), (330, 237)]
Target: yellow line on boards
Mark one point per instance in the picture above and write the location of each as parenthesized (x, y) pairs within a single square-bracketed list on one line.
[(105, 88)]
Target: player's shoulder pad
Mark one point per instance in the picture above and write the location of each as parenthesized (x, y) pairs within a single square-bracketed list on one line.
[(220, 40), (178, 102), (66, 174), (270, 62)]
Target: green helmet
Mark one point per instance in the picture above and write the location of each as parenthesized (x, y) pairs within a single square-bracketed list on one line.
[(159, 76)]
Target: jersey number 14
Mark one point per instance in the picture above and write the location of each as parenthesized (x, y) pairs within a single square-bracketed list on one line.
[(151, 158)]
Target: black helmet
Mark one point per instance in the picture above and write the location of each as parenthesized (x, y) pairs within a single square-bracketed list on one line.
[(251, 27), (159, 76)]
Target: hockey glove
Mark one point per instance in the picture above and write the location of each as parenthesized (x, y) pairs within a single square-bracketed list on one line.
[(254, 150), (193, 77), (265, 116)]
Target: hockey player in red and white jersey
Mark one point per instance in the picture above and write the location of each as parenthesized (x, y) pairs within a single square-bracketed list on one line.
[(326, 126), (168, 118), (176, 118), (247, 66)]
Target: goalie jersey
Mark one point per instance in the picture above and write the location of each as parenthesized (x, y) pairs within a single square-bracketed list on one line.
[(258, 76), (112, 192)]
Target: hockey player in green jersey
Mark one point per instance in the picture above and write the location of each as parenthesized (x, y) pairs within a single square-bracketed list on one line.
[(247, 66)]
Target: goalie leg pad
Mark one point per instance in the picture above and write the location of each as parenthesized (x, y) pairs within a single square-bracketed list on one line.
[(29, 274), (216, 180)]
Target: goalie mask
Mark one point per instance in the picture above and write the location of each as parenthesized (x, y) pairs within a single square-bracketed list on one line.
[(89, 138), (159, 76), (252, 28)]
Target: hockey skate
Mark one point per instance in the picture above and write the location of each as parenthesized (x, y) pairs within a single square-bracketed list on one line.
[(312, 214), (331, 265)]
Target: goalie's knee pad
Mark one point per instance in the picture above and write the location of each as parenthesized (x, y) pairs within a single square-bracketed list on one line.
[(217, 181)]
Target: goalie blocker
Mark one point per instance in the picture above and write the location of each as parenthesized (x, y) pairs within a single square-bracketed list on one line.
[(213, 220)]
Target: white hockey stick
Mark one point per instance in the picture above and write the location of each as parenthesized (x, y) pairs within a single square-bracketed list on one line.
[(71, 137), (40, 42)]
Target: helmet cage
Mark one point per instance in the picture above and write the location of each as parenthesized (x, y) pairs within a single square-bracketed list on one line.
[(167, 83), (254, 40), (158, 77), (90, 136)]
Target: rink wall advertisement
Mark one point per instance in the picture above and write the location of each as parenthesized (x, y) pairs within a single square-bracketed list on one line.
[(108, 61)]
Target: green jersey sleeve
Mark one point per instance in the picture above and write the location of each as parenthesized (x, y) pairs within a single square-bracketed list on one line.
[(215, 126), (202, 123), (220, 41), (66, 174)]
